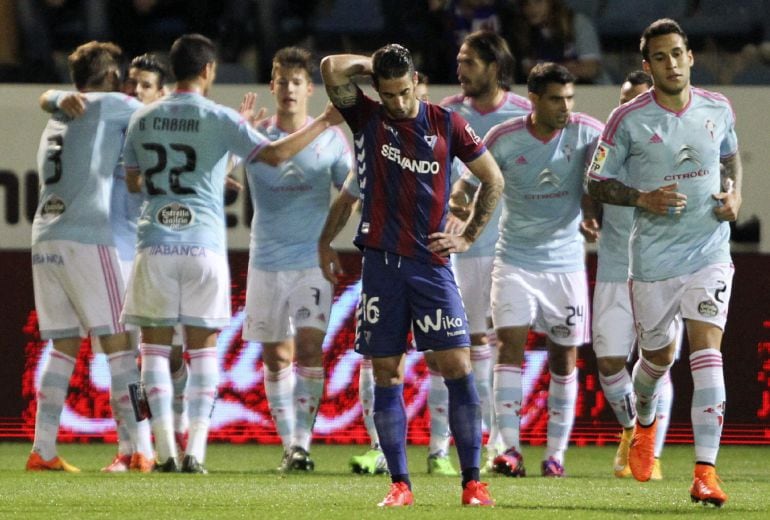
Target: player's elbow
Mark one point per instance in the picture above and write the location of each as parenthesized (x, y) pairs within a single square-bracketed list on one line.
[(273, 155)]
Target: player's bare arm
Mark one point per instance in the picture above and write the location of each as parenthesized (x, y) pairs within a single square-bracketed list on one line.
[(487, 197), (338, 71), (133, 180), (287, 147), (732, 182), (661, 201), (589, 226), (73, 104), (338, 216)]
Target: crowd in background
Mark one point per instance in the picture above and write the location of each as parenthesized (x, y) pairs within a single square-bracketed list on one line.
[(596, 39)]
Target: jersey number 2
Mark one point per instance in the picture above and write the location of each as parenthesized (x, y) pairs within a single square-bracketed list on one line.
[(173, 173)]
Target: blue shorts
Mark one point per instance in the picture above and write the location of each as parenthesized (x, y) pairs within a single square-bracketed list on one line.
[(399, 294)]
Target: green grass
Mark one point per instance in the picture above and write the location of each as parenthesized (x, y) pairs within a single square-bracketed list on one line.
[(243, 484)]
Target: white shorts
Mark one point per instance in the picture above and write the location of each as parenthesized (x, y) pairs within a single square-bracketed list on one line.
[(185, 284), (612, 325), (474, 278), (553, 303), (78, 289), (701, 296), (280, 302)]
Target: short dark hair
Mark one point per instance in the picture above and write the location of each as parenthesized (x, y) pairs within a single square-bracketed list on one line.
[(492, 48), (638, 77), (661, 27), (391, 61), (544, 73), (151, 63), (294, 57), (91, 62), (422, 78), (190, 54)]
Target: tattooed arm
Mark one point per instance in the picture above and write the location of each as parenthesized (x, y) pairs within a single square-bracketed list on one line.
[(338, 71), (487, 197), (732, 182), (661, 201)]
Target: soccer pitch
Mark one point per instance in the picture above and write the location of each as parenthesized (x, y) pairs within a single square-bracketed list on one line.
[(243, 483)]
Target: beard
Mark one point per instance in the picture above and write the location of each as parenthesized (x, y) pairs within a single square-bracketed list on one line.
[(477, 89)]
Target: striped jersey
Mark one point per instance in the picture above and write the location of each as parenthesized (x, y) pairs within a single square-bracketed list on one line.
[(291, 200), (512, 105), (404, 168), (539, 227), (658, 147), (76, 160)]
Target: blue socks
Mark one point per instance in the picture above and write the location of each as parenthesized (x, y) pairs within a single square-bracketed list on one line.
[(390, 420), (465, 423)]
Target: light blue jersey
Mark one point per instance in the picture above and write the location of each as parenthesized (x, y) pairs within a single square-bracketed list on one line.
[(612, 255), (539, 227), (125, 208), (511, 106), (660, 147), (76, 160), (180, 144), (291, 201)]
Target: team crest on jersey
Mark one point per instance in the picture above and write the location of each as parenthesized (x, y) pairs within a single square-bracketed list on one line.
[(53, 207), (710, 126), (600, 155), (174, 216), (472, 133), (391, 130), (567, 151), (431, 140), (687, 153)]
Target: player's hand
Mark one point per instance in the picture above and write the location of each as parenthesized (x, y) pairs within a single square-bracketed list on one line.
[(331, 115), (445, 244), (247, 109), (453, 225), (73, 105), (329, 261), (460, 205), (664, 200), (232, 184), (730, 205), (590, 229)]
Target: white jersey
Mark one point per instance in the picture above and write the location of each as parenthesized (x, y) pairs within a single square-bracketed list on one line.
[(511, 106), (539, 227), (76, 160), (180, 144), (660, 147), (291, 200)]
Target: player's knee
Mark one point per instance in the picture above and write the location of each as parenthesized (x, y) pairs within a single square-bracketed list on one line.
[(609, 366)]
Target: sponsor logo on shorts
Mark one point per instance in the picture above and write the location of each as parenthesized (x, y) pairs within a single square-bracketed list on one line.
[(302, 313), (560, 331), (453, 325), (174, 216), (176, 250), (708, 309), (50, 258), (53, 207)]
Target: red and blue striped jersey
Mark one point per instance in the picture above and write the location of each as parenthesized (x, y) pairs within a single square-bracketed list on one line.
[(404, 168)]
